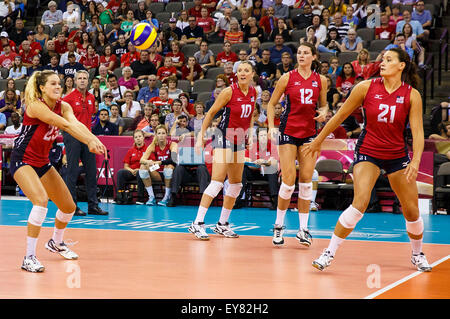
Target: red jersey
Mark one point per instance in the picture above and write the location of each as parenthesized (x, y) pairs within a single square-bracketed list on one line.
[(176, 57), (61, 48), (133, 156), (385, 120), (93, 62), (223, 57), (106, 63), (161, 154), (35, 140), (129, 57), (83, 107), (237, 114), (302, 95), (6, 61), (164, 72), (27, 57)]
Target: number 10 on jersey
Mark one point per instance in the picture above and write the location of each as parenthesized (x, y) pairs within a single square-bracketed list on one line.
[(246, 110)]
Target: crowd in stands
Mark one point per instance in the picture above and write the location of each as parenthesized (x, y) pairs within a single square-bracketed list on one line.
[(203, 39)]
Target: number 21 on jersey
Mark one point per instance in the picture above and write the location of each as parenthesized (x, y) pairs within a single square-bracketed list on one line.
[(385, 109)]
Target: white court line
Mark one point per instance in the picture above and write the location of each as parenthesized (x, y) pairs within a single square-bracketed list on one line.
[(395, 284)]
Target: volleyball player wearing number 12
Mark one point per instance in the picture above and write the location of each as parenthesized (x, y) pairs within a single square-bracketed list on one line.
[(389, 103), (304, 91), (30, 167), (238, 102)]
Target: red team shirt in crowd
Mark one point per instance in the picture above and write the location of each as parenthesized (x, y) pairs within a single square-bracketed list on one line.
[(112, 58), (6, 61), (177, 57), (93, 62), (129, 57), (164, 72), (161, 154), (386, 116), (238, 112), (34, 142), (223, 57), (302, 96), (61, 48)]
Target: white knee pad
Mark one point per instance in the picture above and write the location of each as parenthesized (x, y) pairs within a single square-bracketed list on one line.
[(63, 217), (286, 191), (416, 227), (234, 190), (305, 190), (315, 177), (168, 172), (213, 188), (350, 217), (144, 174), (37, 215)]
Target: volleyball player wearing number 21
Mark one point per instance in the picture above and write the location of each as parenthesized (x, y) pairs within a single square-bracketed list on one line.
[(305, 93), (238, 102), (45, 114), (389, 103)]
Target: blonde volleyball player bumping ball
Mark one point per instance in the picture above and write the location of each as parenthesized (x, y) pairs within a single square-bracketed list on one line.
[(44, 116), (143, 36)]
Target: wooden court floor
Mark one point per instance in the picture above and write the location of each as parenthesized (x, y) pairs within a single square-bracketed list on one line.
[(133, 264)]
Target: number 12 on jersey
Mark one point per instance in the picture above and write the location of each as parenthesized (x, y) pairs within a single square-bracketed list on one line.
[(246, 110), (385, 109)]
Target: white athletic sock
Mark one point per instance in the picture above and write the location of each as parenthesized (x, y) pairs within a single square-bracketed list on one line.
[(200, 214), (334, 244), (303, 220), (416, 246), (280, 217), (314, 195), (58, 235), (31, 246), (150, 191), (167, 194), (224, 215)]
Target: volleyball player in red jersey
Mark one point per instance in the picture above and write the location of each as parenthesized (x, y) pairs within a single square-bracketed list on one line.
[(238, 103), (305, 92), (44, 116), (389, 103), (160, 152)]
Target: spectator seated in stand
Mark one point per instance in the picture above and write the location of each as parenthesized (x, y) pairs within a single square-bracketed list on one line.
[(351, 42), (148, 92), (130, 108), (10, 103), (227, 55), (150, 129), (128, 81), (116, 119), (180, 129), (104, 126), (162, 103), (16, 126)]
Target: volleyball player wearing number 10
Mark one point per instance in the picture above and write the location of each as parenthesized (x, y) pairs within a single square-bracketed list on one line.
[(304, 91), (389, 103), (238, 102)]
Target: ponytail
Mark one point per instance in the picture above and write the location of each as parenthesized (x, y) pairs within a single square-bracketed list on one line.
[(32, 90)]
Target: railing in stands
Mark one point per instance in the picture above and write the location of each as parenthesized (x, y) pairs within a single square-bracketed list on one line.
[(443, 49), (428, 74)]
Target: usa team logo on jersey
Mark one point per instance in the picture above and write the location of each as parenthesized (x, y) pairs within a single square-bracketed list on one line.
[(378, 96), (314, 84), (400, 99)]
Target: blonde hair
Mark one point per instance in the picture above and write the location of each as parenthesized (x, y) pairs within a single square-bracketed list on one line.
[(33, 91), (154, 141)]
